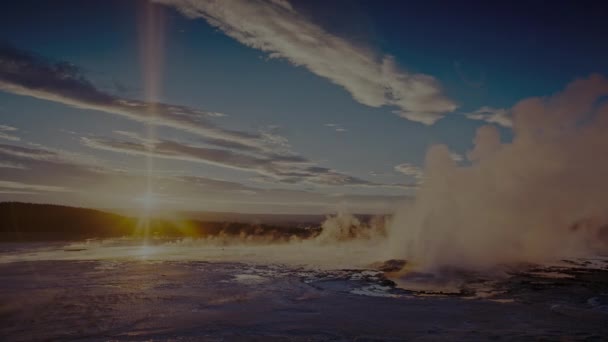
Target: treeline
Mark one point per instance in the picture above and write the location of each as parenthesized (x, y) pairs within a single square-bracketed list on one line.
[(28, 221), (45, 222)]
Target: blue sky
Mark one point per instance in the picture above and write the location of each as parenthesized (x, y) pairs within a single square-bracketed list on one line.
[(352, 93)]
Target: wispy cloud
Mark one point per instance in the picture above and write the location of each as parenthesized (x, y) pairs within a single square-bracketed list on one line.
[(411, 170), (34, 163), (11, 165), (8, 133), (18, 186), (264, 152), (338, 128), (97, 184), (274, 168), (25, 74), (372, 79), (180, 151), (497, 116), (26, 152)]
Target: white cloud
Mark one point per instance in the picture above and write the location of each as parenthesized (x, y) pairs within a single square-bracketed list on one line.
[(372, 79), (497, 116), (411, 170), (424, 118)]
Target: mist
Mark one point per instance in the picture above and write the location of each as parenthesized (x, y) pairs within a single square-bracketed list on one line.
[(539, 197), (342, 241)]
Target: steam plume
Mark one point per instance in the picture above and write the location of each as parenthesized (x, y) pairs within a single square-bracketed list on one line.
[(544, 195)]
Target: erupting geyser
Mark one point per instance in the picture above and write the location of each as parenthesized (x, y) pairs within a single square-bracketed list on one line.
[(543, 195)]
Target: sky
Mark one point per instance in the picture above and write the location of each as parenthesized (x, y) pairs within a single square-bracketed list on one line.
[(268, 106)]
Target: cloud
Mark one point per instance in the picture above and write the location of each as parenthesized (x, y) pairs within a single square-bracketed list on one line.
[(82, 177), (65, 171), (423, 118), (277, 29), (7, 133), (174, 150), (36, 152), (265, 152), (11, 165), (17, 186), (23, 73), (26, 152), (56, 167), (336, 127), (275, 168), (410, 170), (216, 184), (84, 182), (500, 117)]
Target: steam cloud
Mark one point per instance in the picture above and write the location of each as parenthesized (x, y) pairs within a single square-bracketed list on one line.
[(343, 241), (541, 196)]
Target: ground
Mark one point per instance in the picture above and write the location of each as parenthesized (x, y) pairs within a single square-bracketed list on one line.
[(150, 300)]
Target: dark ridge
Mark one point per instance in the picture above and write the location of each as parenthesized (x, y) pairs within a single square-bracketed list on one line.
[(47, 222), (27, 221)]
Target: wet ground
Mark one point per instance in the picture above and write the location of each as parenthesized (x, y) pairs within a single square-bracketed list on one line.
[(118, 291), (139, 300)]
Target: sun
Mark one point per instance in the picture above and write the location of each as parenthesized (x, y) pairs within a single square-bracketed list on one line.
[(151, 222), (146, 203)]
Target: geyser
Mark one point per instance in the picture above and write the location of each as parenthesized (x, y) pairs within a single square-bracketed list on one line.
[(544, 195)]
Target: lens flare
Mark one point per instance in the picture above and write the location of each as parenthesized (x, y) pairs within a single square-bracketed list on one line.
[(151, 30), (147, 202)]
